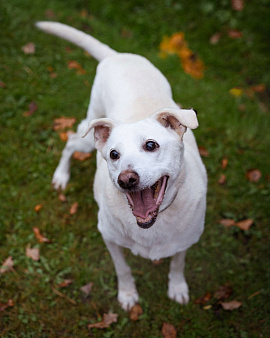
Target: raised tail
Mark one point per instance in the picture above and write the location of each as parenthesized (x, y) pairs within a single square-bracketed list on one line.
[(94, 47)]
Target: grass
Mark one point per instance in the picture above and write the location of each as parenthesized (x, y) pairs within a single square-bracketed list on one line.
[(30, 150)]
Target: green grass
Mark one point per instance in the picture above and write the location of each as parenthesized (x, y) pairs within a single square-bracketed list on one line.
[(30, 150)]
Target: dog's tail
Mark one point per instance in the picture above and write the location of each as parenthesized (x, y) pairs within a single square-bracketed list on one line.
[(94, 47)]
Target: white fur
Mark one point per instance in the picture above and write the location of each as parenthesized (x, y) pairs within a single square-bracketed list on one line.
[(131, 102)]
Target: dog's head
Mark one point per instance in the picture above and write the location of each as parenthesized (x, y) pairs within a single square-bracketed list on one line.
[(145, 158)]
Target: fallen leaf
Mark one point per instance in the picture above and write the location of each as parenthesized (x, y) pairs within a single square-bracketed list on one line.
[(260, 88), (73, 209), (81, 156), (222, 179), (176, 44), (253, 175), (224, 163), (49, 13), (157, 261), (39, 237), (108, 319), (232, 305), (65, 283), (203, 151), (2, 84), (32, 253), (168, 331), (245, 224), (227, 222), (7, 265), (237, 5), (236, 92), (223, 292), (62, 198), (29, 48), (63, 122), (38, 207), (31, 109), (214, 39), (204, 299), (87, 288), (135, 312), (207, 307), (4, 306), (234, 34), (75, 65), (65, 135)]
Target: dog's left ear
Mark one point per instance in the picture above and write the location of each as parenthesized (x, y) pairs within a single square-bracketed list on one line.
[(102, 131), (177, 119)]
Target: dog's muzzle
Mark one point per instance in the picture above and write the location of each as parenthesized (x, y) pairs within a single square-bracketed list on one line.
[(145, 203)]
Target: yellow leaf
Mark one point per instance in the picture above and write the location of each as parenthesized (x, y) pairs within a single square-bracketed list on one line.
[(236, 92)]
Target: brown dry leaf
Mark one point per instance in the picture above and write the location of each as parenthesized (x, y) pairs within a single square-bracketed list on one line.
[(38, 207), (232, 305), (62, 198), (168, 331), (75, 65), (65, 283), (4, 306), (31, 109), (260, 88), (87, 288), (222, 179), (253, 175), (74, 208), (176, 44), (227, 222), (204, 299), (135, 312), (7, 265), (65, 135), (223, 292), (81, 156), (29, 48), (234, 34), (63, 122), (108, 319), (32, 253), (214, 39), (245, 224), (203, 151), (40, 237), (157, 261), (224, 163), (237, 5), (2, 84), (49, 13)]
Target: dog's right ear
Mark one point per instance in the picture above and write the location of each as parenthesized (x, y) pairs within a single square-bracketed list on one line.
[(102, 131)]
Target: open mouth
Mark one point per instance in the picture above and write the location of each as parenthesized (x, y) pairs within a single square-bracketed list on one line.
[(145, 203)]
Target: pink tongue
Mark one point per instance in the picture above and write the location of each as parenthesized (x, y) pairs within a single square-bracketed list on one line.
[(144, 203)]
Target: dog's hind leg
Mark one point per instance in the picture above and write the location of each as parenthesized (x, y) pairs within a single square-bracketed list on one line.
[(75, 143), (127, 292), (178, 288)]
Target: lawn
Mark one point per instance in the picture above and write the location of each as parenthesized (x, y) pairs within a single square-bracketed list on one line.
[(43, 78)]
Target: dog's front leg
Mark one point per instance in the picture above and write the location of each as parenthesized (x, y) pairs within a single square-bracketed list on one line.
[(75, 143), (127, 293), (178, 288)]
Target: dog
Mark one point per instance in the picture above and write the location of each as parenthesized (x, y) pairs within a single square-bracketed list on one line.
[(150, 184)]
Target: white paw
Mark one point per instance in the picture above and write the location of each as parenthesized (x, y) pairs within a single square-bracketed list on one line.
[(60, 179), (179, 292), (128, 299)]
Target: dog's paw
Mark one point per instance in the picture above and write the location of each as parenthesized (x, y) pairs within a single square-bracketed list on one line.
[(60, 179), (179, 292), (128, 299)]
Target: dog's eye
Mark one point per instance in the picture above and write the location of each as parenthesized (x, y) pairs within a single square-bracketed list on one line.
[(114, 155), (151, 146)]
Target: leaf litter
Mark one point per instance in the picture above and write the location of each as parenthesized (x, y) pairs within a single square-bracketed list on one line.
[(107, 320), (7, 265)]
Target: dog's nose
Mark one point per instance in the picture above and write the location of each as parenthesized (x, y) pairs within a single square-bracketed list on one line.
[(128, 179)]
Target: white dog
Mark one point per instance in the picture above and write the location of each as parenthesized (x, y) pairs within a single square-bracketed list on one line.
[(150, 183)]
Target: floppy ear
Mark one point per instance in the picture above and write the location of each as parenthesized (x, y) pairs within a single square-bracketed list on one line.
[(177, 119), (102, 131)]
